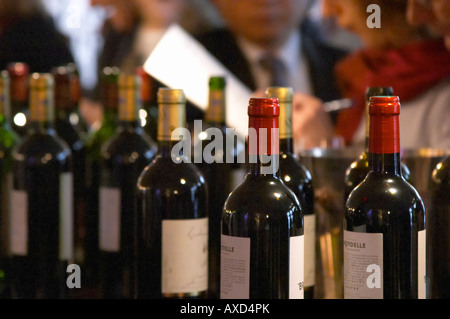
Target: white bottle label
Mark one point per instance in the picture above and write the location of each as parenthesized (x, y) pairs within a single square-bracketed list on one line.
[(235, 267), (19, 223), (310, 249), (363, 265), (421, 263), (66, 217), (184, 267), (296, 267), (109, 215)]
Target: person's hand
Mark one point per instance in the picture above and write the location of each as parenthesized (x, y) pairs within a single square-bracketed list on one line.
[(311, 125)]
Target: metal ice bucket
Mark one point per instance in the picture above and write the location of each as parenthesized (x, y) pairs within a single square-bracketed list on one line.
[(327, 167)]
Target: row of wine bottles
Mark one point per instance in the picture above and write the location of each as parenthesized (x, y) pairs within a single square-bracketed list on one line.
[(114, 200), (144, 222)]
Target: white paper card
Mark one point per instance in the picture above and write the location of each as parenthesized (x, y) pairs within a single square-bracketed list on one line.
[(179, 61)]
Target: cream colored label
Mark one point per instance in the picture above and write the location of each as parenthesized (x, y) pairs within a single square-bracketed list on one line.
[(66, 217), (421, 264), (296, 267), (363, 265), (170, 117), (184, 263), (235, 267), (109, 230), (310, 249), (19, 223)]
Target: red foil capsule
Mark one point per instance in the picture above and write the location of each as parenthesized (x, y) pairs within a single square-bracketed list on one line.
[(384, 134), (263, 126)]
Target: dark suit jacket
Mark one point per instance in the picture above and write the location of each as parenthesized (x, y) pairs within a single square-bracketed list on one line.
[(35, 41), (321, 58)]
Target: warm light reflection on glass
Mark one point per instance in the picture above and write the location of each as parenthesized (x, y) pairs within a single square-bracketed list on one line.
[(287, 178), (143, 117), (182, 181), (277, 195), (393, 191), (20, 119), (203, 136)]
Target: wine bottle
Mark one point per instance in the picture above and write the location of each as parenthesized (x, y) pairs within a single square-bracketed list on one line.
[(295, 176), (124, 156), (384, 223), (262, 244), (41, 220), (19, 73), (149, 103), (439, 222), (172, 237), (94, 141), (8, 140), (358, 170), (73, 136), (217, 165)]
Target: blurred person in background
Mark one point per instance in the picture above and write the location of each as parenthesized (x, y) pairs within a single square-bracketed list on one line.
[(256, 29), (435, 14), (28, 34), (410, 59)]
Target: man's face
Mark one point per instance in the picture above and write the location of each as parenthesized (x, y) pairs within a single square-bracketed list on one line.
[(263, 22), (434, 13)]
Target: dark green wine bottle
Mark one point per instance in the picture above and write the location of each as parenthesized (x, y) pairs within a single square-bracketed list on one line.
[(124, 157), (8, 140), (359, 169), (73, 136), (41, 219), (172, 223), (299, 180), (94, 140)]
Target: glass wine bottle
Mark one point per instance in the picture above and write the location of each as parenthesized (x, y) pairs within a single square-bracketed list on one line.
[(71, 134), (217, 158), (295, 176), (8, 140), (384, 223), (358, 170), (439, 224), (19, 73), (172, 236), (262, 243), (94, 141), (124, 156), (41, 219), (149, 103)]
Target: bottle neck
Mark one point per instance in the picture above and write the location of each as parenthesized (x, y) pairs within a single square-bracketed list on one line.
[(285, 124), (286, 146), (263, 145), (41, 109), (384, 144), (215, 114), (385, 163)]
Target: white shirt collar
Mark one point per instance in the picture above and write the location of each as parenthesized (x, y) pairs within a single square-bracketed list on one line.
[(290, 53)]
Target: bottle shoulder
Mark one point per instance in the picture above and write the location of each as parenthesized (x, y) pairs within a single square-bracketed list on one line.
[(163, 172), (262, 194), (127, 142), (43, 146), (384, 191)]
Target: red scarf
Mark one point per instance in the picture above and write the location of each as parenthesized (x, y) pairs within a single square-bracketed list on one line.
[(410, 70)]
